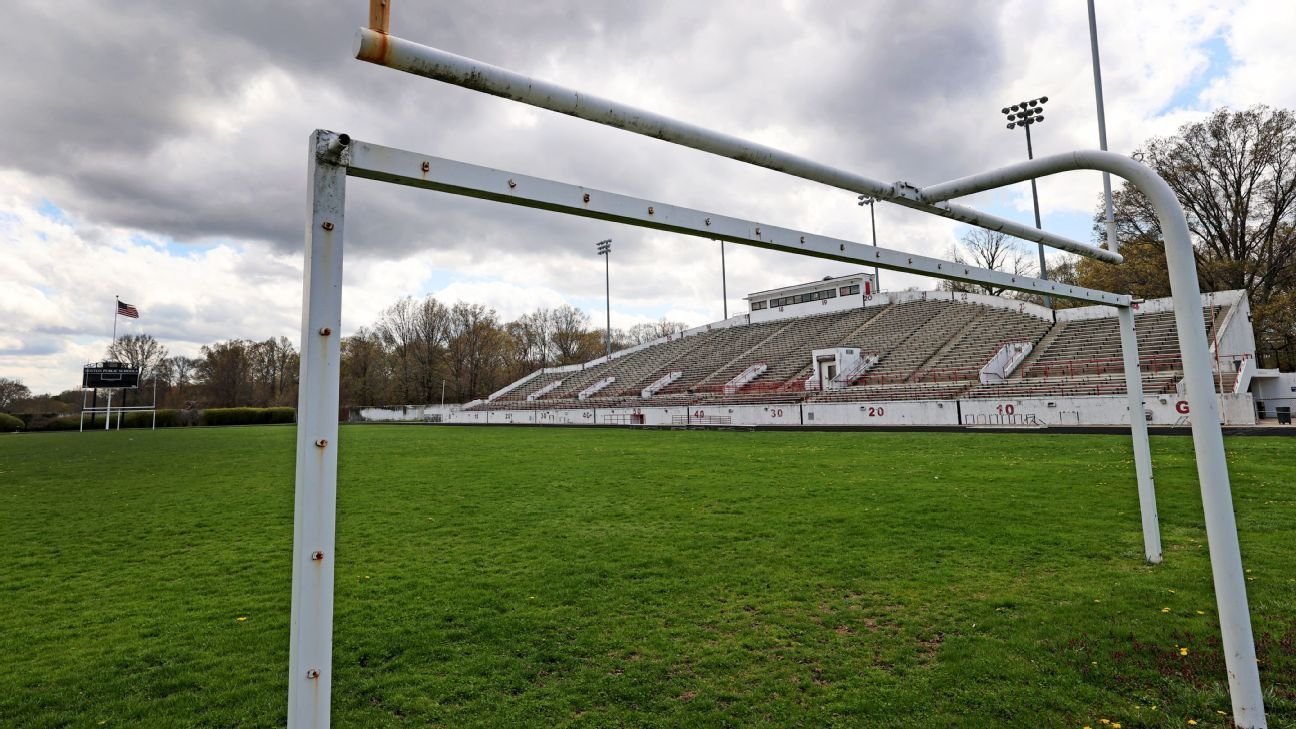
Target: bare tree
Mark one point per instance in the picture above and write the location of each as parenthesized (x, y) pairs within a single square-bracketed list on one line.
[(397, 329), (416, 333), (476, 350), (12, 391), (223, 373), (138, 350), (272, 367), (988, 249), (569, 326), (365, 369), (532, 332), (648, 331)]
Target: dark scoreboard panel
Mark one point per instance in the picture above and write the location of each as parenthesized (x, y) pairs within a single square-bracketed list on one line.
[(109, 374)]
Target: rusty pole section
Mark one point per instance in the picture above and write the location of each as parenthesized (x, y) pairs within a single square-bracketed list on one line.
[(380, 15)]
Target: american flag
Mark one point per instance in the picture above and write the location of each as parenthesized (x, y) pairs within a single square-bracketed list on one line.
[(125, 309)]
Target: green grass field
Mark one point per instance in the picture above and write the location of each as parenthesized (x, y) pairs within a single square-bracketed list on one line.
[(551, 577)]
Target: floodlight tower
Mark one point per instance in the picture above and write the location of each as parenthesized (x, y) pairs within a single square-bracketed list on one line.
[(1026, 114), (605, 250)]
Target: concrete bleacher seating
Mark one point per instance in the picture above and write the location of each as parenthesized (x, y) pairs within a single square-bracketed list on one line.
[(983, 337), (722, 348), (928, 348)]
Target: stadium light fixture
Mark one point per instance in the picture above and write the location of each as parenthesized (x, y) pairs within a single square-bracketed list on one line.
[(605, 250), (1025, 114)]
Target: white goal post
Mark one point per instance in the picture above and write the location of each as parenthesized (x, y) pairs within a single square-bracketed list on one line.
[(333, 157)]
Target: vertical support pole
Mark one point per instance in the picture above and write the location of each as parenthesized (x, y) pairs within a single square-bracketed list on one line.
[(1139, 432), (1112, 244), (607, 273), (380, 15), (310, 668), (1043, 264), (724, 282), (1212, 467), (108, 412), (877, 279)]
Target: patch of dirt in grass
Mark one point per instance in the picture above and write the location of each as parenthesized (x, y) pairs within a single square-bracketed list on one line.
[(1198, 660), (929, 647)]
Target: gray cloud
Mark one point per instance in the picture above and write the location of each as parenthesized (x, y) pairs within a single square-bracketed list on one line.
[(113, 108)]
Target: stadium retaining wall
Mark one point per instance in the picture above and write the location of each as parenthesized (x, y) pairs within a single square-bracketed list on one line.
[(1167, 410)]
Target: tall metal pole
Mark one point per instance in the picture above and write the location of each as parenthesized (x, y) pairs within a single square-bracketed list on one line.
[(1030, 155), (1112, 243), (605, 250), (724, 282), (607, 296), (877, 280), (116, 308)]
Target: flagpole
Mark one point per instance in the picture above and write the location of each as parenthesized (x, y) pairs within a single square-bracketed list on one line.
[(116, 308)]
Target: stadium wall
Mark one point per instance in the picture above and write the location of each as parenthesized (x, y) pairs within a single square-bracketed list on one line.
[(397, 413), (1165, 410)]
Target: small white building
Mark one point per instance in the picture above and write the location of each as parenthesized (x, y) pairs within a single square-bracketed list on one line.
[(830, 294)]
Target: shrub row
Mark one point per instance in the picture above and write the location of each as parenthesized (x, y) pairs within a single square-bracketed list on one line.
[(165, 419), (248, 416)]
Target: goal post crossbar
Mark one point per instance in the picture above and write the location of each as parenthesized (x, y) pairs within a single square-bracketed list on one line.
[(387, 164)]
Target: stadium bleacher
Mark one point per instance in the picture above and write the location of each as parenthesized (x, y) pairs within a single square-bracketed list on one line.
[(932, 346)]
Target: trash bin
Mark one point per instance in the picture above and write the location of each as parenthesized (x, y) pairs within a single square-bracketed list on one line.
[(1284, 415)]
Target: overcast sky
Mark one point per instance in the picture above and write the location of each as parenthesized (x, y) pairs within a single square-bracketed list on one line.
[(157, 150)]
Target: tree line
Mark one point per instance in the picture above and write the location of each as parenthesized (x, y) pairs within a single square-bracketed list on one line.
[(421, 351), (418, 351)]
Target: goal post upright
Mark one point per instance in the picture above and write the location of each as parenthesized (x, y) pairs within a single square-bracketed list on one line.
[(310, 664), (1139, 436), (1208, 437)]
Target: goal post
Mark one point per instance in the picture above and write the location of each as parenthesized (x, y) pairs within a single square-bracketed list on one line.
[(333, 157)]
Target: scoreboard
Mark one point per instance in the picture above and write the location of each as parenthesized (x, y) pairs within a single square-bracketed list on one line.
[(109, 375)]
